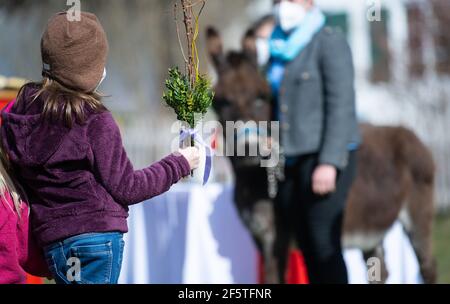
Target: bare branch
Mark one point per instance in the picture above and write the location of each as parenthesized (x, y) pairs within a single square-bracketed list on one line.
[(187, 13), (179, 36), (190, 20)]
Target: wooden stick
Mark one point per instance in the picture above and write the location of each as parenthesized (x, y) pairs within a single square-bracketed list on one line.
[(188, 23), (175, 13)]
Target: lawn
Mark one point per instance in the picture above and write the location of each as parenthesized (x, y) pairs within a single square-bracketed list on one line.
[(441, 237)]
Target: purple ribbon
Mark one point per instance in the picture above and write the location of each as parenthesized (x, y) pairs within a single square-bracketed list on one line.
[(189, 133)]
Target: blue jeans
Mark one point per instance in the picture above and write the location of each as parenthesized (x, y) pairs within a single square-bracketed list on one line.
[(92, 258)]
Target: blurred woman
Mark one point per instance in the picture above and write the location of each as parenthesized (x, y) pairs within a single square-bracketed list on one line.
[(310, 70)]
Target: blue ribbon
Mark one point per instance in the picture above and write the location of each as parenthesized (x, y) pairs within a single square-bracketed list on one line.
[(189, 133)]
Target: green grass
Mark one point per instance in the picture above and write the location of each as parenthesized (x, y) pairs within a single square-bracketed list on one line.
[(441, 238)]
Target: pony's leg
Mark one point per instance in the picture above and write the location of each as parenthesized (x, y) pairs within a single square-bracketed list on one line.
[(264, 221), (381, 274), (262, 227), (417, 220), (270, 264)]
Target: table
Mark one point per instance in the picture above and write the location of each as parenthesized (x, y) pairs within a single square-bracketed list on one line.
[(193, 234)]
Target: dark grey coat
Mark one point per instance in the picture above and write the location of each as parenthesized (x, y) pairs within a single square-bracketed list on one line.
[(317, 101)]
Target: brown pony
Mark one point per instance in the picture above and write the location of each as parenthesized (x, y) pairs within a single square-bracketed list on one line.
[(395, 176)]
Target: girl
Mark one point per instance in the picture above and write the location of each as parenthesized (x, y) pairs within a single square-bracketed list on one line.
[(67, 150), (18, 251)]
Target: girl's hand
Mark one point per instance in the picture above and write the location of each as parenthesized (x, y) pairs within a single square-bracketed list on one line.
[(324, 179), (192, 155)]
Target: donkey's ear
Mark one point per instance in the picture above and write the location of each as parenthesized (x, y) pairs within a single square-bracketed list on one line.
[(249, 46), (215, 48)]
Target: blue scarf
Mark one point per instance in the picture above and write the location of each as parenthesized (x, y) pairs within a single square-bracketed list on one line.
[(287, 46)]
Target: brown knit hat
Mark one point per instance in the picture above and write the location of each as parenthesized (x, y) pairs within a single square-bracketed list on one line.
[(74, 53)]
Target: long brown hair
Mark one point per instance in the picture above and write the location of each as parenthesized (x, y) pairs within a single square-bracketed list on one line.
[(64, 104)]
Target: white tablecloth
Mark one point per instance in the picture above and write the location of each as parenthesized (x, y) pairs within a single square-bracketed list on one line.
[(193, 234)]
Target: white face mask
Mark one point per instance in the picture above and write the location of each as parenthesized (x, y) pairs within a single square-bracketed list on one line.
[(289, 15), (103, 78), (263, 51)]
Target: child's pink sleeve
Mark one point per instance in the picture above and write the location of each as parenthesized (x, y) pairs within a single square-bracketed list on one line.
[(9, 106)]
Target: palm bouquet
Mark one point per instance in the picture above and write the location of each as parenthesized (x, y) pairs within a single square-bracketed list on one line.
[(189, 93)]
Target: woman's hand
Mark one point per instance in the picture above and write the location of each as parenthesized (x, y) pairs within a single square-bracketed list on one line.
[(324, 179), (192, 155)]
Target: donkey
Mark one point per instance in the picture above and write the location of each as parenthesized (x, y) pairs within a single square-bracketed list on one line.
[(394, 181)]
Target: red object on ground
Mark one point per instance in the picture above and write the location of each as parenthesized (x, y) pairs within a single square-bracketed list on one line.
[(296, 270), (34, 280)]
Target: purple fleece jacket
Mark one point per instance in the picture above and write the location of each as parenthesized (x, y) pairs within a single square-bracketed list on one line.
[(78, 180)]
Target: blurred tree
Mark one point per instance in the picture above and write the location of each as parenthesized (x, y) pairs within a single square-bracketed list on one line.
[(441, 35), (428, 20), (416, 29)]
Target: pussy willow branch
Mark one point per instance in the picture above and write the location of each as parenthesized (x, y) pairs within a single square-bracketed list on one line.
[(194, 46), (190, 21), (187, 19), (186, 62)]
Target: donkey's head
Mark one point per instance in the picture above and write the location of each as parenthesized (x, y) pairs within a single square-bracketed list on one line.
[(242, 93)]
